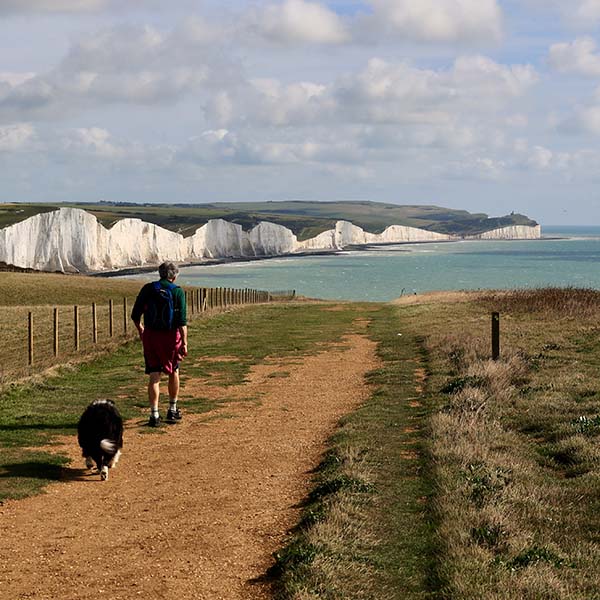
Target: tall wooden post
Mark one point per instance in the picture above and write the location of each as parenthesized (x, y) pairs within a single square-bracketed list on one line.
[(110, 318), (94, 324), (30, 338), (76, 327), (55, 331), (495, 336)]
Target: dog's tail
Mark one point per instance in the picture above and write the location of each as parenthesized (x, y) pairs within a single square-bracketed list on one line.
[(109, 446)]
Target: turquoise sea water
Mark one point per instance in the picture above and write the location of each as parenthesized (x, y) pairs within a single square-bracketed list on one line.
[(387, 272)]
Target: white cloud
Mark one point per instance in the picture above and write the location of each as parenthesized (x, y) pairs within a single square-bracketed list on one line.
[(298, 21), (579, 57), (582, 13), (14, 79), (16, 137), (440, 20), (82, 144), (94, 140), (587, 120), (475, 168), (383, 92), (583, 119), (297, 103), (137, 65), (540, 157), (387, 92)]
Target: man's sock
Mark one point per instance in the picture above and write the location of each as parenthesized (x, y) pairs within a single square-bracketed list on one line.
[(154, 413), (173, 404)]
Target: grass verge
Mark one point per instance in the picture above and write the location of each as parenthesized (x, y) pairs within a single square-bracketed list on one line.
[(366, 530), (514, 444)]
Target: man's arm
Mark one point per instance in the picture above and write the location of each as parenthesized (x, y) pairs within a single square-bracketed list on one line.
[(138, 310), (183, 332)]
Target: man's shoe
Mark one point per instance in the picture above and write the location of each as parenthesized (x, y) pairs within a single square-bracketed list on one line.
[(173, 416), (153, 421)]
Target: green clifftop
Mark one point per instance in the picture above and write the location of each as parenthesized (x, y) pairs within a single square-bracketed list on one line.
[(305, 219)]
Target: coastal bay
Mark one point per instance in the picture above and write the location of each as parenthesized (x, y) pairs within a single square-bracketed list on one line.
[(566, 258)]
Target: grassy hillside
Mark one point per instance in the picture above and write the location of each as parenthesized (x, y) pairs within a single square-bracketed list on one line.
[(51, 289), (305, 219)]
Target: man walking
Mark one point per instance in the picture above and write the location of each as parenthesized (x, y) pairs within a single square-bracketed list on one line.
[(164, 337)]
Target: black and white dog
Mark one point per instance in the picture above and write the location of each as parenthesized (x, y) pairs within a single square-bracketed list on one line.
[(100, 435)]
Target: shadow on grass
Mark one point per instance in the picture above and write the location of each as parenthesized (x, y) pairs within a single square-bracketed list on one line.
[(70, 426)]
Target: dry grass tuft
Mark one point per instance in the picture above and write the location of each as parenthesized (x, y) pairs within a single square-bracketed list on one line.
[(566, 302)]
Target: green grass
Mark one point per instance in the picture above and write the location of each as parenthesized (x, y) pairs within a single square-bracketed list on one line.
[(250, 336)]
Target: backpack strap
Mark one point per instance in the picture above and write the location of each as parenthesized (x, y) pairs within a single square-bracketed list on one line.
[(170, 286)]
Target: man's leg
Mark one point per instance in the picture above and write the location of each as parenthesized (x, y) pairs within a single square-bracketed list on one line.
[(173, 414), (153, 395)]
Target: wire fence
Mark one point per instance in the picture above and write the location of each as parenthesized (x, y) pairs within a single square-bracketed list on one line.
[(35, 338)]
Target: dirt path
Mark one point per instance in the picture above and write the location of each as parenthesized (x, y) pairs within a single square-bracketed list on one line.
[(197, 512)]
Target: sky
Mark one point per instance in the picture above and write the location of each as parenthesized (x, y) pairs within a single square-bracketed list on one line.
[(485, 105)]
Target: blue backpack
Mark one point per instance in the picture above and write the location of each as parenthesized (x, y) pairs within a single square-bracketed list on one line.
[(160, 311)]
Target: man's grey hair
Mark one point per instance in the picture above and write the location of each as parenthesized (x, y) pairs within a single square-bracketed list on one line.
[(168, 271)]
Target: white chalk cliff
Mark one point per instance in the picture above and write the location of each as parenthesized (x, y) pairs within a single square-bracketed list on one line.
[(512, 232), (72, 240)]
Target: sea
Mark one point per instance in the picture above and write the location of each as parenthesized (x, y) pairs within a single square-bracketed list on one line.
[(565, 256)]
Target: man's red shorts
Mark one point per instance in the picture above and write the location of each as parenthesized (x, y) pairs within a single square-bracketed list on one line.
[(162, 350)]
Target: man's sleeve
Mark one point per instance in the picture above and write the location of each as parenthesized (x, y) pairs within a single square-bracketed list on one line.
[(182, 315), (140, 304)]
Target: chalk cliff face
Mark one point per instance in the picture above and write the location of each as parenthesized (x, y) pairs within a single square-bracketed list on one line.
[(63, 240), (270, 239), (513, 232), (72, 240), (217, 239), (346, 234)]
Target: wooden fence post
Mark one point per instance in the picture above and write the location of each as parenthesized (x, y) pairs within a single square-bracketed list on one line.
[(94, 324), (495, 336), (110, 318), (30, 337), (76, 327), (55, 331), (125, 316)]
